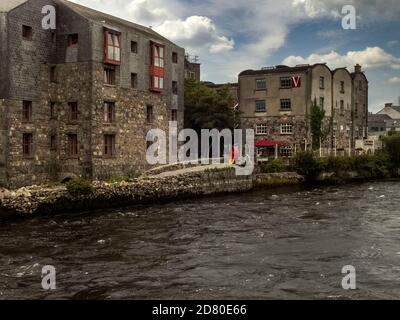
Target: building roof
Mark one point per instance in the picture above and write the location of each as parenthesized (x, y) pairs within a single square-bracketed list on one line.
[(378, 117), (397, 108), (107, 19), (8, 5), (276, 69)]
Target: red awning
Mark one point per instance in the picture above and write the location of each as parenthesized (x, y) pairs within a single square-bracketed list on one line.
[(268, 143)]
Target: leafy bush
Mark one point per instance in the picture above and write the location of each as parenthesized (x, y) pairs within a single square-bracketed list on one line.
[(392, 148), (307, 165), (274, 166), (78, 187)]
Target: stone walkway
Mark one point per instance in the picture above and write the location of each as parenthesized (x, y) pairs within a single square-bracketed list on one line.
[(192, 169)]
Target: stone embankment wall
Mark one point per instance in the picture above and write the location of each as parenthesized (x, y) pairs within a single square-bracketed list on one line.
[(35, 200)]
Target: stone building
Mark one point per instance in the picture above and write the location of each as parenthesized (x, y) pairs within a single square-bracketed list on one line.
[(276, 102), (391, 110), (79, 100), (192, 68)]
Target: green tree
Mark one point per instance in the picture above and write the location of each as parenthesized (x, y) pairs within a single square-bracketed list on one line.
[(206, 108), (392, 148), (318, 132)]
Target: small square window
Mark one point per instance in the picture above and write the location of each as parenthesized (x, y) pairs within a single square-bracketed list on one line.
[(261, 84), (149, 114), (134, 47), (73, 40), (109, 112), (53, 142), (27, 144), (261, 129), (27, 111), (286, 83), (134, 80), (286, 128), (286, 104), (174, 87), (174, 57), (109, 76), (174, 115), (73, 111), (27, 32), (53, 77), (260, 106), (109, 145), (72, 148), (52, 110)]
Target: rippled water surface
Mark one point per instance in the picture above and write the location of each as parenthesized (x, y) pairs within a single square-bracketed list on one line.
[(259, 245)]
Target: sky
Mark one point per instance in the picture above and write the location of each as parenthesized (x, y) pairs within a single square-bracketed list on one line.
[(231, 36)]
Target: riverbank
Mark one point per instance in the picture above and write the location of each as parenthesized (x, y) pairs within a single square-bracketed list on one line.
[(36, 200)]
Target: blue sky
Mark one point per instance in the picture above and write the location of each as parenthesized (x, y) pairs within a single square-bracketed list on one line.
[(230, 36)]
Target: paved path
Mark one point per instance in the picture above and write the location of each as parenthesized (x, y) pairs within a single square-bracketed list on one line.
[(191, 169)]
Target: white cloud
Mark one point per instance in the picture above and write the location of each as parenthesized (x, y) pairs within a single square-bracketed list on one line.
[(371, 57), (394, 80), (393, 43), (195, 32)]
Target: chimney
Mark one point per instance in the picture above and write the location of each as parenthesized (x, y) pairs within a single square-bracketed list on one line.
[(357, 68), (388, 105)]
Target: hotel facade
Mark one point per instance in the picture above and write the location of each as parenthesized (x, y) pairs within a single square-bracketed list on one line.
[(276, 103)]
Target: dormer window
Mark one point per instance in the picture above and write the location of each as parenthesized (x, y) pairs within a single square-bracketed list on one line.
[(112, 47)]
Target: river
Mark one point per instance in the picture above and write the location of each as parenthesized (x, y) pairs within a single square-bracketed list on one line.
[(276, 244)]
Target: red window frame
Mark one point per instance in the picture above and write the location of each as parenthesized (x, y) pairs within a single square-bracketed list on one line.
[(114, 45), (157, 66)]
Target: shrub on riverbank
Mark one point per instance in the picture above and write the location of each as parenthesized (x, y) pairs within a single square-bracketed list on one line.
[(343, 168), (392, 148), (274, 166), (77, 187)]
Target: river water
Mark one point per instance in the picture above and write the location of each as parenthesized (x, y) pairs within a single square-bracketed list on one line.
[(280, 244)]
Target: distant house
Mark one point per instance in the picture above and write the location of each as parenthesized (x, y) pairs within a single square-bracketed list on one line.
[(378, 123), (391, 110)]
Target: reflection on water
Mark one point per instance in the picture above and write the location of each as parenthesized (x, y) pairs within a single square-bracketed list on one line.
[(258, 245)]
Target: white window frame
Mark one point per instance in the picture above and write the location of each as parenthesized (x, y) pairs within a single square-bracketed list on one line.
[(261, 129), (287, 128)]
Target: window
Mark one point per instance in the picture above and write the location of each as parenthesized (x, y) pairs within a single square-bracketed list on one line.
[(174, 57), (286, 104), (109, 75), (53, 37), (109, 145), (134, 47), (286, 128), (112, 47), (174, 115), (286, 83), (27, 32), (53, 142), (52, 110), (174, 87), (260, 106), (53, 74), (27, 111), (73, 111), (321, 102), (341, 86), (261, 84), (73, 40), (192, 75), (157, 83), (321, 82), (158, 56), (109, 112), (356, 110), (261, 129), (360, 85), (27, 144), (342, 107), (157, 67), (72, 150), (149, 114), (286, 151), (134, 80)]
